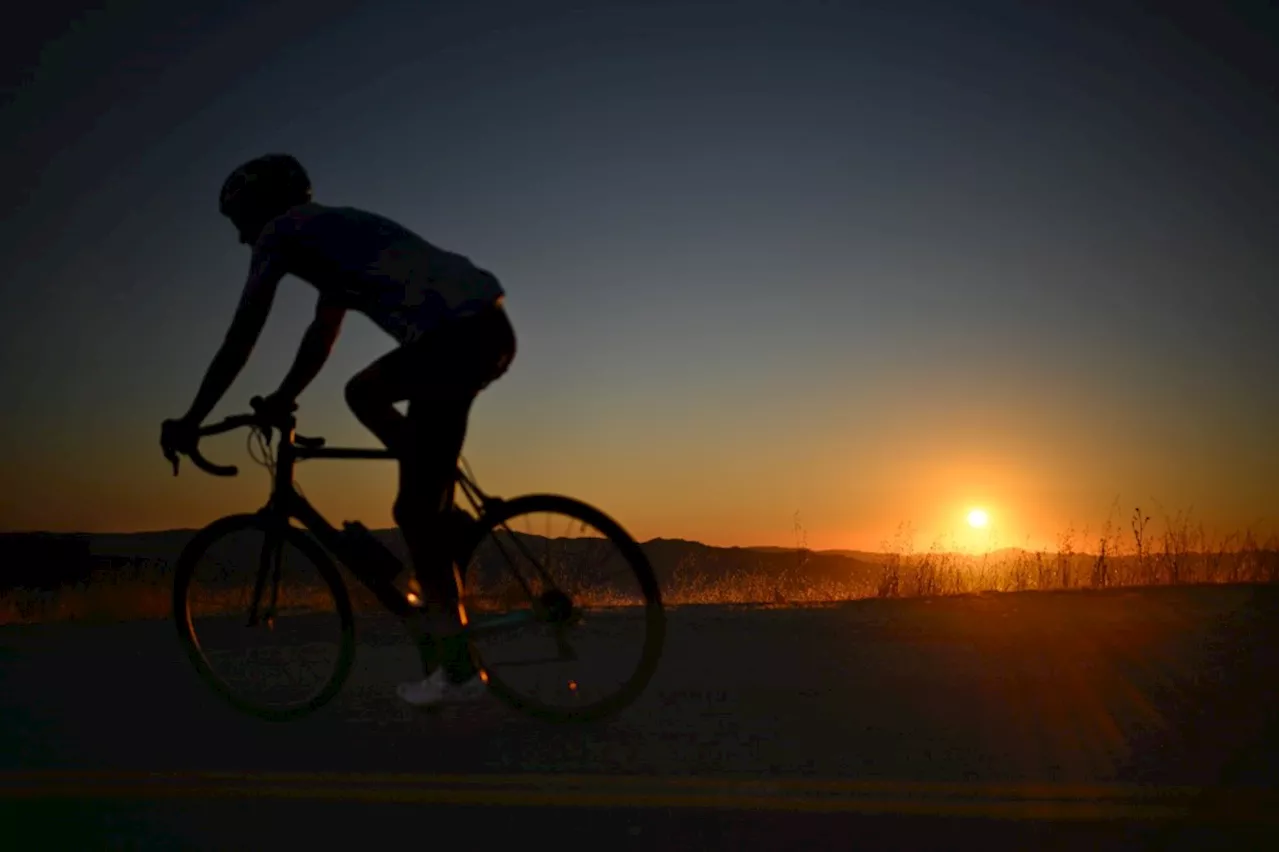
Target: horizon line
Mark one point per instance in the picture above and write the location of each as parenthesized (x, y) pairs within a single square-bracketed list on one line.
[(844, 552)]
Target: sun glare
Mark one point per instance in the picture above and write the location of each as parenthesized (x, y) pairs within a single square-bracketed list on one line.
[(977, 518)]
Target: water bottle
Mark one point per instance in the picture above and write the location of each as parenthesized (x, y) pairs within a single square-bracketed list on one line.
[(372, 556)]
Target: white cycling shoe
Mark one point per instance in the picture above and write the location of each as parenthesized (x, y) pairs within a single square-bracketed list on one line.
[(436, 690)]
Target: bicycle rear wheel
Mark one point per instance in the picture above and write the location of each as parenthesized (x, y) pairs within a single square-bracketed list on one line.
[(264, 616), (600, 628)]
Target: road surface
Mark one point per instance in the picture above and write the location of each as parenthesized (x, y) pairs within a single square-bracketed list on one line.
[(1124, 719)]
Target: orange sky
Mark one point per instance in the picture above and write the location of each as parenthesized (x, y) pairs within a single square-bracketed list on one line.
[(864, 264), (729, 472)]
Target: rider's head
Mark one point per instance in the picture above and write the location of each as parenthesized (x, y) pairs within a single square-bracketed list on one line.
[(260, 190)]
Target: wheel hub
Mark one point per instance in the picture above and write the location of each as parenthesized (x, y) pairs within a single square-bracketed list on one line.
[(557, 605)]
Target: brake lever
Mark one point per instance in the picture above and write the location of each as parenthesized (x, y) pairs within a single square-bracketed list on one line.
[(172, 457)]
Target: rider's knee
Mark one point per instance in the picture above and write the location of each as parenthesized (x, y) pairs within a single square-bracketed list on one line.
[(362, 396), (410, 510), (402, 511)]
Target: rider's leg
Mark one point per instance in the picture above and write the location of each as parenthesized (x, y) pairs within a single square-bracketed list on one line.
[(440, 375), (423, 510), (373, 392), (413, 371), (460, 361), (457, 361)]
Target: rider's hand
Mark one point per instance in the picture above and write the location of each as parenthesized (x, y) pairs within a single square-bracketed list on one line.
[(178, 436), (275, 408)]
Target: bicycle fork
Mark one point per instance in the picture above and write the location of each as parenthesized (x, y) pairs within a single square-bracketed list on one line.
[(268, 563)]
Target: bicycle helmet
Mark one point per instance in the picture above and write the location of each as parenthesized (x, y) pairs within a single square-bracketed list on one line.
[(265, 185)]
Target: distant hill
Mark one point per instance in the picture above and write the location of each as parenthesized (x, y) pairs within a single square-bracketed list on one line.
[(166, 544), (686, 570), (673, 560), (865, 555)]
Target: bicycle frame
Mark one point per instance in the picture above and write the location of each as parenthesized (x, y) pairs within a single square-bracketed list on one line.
[(285, 504)]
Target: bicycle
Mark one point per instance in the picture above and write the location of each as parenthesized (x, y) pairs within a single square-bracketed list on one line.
[(531, 600)]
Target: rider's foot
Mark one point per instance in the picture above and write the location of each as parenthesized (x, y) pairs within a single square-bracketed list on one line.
[(437, 689)]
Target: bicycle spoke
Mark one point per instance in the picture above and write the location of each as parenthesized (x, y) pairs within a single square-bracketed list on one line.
[(515, 572), (264, 566), (561, 663), (277, 558)]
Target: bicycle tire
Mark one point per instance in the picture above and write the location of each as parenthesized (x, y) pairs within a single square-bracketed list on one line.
[(655, 617), (184, 571)]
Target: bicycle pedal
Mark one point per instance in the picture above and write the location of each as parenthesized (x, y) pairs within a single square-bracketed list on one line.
[(413, 593)]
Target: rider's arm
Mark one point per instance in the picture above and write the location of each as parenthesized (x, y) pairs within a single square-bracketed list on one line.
[(250, 317), (316, 345)]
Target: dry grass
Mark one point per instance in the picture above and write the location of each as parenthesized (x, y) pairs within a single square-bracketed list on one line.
[(92, 603), (1179, 552)]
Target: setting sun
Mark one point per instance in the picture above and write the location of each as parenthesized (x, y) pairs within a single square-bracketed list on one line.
[(977, 518)]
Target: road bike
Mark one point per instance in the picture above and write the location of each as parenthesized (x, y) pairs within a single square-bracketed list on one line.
[(511, 599)]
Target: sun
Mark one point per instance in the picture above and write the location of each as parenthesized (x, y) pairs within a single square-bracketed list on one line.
[(978, 518)]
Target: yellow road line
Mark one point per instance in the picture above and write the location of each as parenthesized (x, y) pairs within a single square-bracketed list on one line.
[(996, 801), (1029, 790)]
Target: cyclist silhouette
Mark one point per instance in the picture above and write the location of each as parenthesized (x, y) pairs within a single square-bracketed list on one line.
[(454, 339)]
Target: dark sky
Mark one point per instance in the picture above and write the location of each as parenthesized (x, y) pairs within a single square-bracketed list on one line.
[(873, 262)]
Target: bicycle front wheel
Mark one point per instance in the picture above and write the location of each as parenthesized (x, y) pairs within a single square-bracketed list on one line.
[(264, 616), (596, 626)]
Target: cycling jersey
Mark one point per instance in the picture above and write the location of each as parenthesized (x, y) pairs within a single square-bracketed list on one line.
[(368, 263)]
